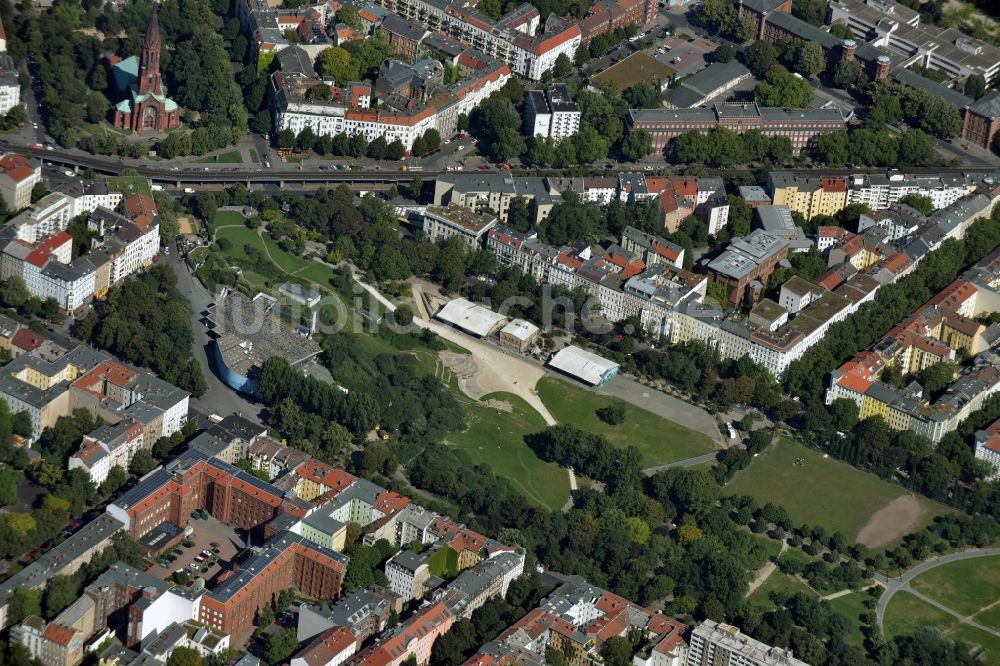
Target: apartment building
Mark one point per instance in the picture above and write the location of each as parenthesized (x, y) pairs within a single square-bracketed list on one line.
[(518, 38), (987, 447), (10, 85), (413, 638), (578, 618), (441, 223), (480, 583), (551, 113), (800, 125), (108, 446), (724, 645), (90, 379), (744, 268), (365, 612), (332, 648), (411, 101), (946, 323), (408, 574), (882, 191), (37, 248), (808, 196), (18, 174)]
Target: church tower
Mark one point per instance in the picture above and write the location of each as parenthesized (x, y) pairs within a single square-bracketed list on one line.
[(149, 71)]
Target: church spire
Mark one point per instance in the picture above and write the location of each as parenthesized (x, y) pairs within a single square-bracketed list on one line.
[(149, 70)]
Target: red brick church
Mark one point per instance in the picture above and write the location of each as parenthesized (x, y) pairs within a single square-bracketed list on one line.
[(146, 108)]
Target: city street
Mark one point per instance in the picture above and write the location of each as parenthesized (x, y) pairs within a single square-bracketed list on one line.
[(219, 398)]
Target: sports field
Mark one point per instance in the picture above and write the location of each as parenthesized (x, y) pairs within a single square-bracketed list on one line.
[(822, 491), (659, 441), (638, 67), (496, 437)]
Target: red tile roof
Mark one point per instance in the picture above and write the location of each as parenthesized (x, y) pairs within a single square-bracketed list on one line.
[(27, 340)]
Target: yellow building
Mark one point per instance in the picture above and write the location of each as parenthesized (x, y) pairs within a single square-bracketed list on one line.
[(809, 196)]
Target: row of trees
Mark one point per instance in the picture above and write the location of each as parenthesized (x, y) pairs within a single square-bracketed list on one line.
[(723, 148), (893, 302)]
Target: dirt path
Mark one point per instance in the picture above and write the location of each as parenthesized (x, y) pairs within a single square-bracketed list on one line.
[(765, 571), (495, 370), (900, 516)]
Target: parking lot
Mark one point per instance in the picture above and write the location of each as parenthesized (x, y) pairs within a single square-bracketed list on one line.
[(209, 535)]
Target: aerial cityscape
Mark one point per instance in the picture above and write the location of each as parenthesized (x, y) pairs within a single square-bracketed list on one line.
[(482, 333)]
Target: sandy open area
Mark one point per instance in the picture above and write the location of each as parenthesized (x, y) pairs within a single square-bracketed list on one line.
[(900, 516), (188, 225)]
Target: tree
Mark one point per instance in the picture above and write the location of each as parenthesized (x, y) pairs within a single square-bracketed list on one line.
[(975, 86), (724, 53), (10, 481), (562, 67), (760, 58), (841, 31), (13, 292), (395, 150), (60, 592), (26, 601), (185, 656), (920, 202), (782, 89), (612, 414), (810, 59), (280, 646), (637, 145), (337, 63), (845, 414), (491, 8), (38, 191), (287, 139), (350, 16), (811, 11), (848, 74), (117, 477), (642, 95), (142, 463)]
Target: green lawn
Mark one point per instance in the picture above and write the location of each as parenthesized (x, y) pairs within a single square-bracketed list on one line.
[(852, 607), (990, 618), (771, 547), (129, 185), (821, 491), (965, 586), (254, 157), (659, 441), (232, 157), (778, 582), (227, 218), (907, 613), (198, 254), (988, 642), (497, 438)]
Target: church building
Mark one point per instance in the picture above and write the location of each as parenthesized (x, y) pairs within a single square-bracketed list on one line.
[(146, 107)]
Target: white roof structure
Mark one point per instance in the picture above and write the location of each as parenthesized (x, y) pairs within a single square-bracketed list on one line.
[(520, 329), (584, 365), (470, 317)]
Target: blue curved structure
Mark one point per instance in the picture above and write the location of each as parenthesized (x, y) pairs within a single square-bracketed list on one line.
[(230, 377)]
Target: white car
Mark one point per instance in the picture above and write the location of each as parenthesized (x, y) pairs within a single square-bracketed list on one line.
[(447, 141), (461, 147), (67, 171), (156, 188), (188, 190)]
